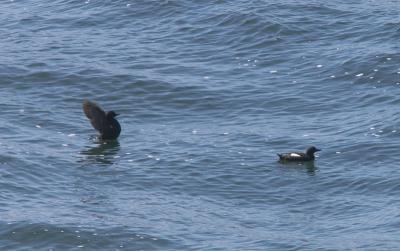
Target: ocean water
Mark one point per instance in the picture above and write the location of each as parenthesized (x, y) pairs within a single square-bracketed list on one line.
[(208, 92)]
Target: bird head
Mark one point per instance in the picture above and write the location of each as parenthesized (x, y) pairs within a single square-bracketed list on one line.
[(312, 150), (112, 114)]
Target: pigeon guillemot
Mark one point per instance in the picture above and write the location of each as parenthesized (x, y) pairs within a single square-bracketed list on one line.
[(103, 122), (296, 156)]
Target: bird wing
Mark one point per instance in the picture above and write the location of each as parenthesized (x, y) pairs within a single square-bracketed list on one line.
[(294, 156), (95, 114)]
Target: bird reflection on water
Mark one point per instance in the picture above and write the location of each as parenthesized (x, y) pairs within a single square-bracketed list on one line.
[(311, 168), (308, 166), (104, 152)]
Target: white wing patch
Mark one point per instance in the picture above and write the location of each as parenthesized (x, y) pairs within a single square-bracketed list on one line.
[(295, 155)]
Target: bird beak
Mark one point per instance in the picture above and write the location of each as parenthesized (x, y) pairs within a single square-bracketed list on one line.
[(317, 150), (116, 114)]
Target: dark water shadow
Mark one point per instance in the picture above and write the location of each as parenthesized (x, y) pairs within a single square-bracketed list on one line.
[(309, 166), (103, 152)]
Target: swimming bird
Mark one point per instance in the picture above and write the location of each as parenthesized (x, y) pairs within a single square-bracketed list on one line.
[(103, 122), (296, 156)]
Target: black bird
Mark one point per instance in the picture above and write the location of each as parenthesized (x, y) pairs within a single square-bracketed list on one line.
[(103, 122), (296, 156)]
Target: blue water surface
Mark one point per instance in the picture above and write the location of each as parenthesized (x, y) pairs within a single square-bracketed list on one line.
[(208, 92)]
